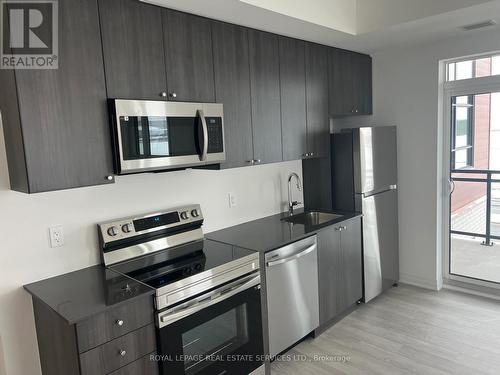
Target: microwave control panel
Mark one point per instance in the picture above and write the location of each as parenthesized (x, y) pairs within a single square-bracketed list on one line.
[(215, 135)]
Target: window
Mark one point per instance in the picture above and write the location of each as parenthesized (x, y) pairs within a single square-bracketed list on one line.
[(462, 132), (473, 68)]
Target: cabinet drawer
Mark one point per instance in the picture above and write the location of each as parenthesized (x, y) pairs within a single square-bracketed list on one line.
[(143, 366), (119, 352), (113, 323)]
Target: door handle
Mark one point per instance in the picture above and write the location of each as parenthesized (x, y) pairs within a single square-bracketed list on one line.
[(293, 257), (204, 151), (451, 186)]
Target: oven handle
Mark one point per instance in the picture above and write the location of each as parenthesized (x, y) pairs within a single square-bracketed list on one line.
[(208, 299), (204, 152)]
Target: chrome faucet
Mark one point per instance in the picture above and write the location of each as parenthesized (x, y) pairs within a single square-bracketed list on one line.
[(291, 202)]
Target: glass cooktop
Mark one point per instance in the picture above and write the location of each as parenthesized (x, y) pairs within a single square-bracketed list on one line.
[(174, 264)]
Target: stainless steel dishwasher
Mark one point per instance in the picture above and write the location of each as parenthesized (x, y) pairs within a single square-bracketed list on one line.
[(292, 293)]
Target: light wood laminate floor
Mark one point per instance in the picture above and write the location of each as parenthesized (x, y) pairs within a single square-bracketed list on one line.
[(406, 331)]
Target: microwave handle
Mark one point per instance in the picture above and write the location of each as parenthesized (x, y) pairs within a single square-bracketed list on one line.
[(204, 151)]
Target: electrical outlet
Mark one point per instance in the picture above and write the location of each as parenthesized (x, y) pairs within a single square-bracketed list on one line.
[(56, 235), (232, 200)]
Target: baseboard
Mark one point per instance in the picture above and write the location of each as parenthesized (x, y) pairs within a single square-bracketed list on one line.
[(418, 281)]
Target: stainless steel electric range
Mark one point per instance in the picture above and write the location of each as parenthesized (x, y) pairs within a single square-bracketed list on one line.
[(207, 293)]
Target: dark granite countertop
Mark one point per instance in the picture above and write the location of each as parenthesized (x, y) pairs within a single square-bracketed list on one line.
[(78, 295), (272, 232)]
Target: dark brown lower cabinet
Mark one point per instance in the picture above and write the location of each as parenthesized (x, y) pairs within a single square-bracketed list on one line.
[(339, 269), (119, 352), (118, 341)]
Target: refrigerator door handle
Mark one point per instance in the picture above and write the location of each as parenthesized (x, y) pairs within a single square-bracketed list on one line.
[(383, 190)]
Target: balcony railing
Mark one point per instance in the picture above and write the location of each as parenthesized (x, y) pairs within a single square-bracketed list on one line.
[(488, 177)]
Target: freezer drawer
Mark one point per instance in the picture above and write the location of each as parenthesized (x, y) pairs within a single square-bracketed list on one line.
[(292, 293), (380, 242)]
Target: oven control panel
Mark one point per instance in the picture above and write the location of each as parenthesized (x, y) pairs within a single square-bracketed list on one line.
[(127, 228)]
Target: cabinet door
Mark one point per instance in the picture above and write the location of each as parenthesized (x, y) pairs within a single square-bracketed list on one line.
[(188, 51), (293, 98), (362, 83), (318, 126), (329, 269), (340, 82), (132, 44), (63, 111), (232, 88), (265, 89), (339, 269), (352, 263)]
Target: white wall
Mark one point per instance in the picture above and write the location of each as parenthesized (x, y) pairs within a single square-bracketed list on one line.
[(335, 14), (25, 255), (379, 14), (406, 94)]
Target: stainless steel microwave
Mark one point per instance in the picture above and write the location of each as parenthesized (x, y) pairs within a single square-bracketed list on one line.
[(153, 135)]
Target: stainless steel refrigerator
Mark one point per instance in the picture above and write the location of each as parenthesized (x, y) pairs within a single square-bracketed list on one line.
[(364, 178)]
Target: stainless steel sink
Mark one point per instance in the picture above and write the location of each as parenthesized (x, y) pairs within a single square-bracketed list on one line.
[(312, 218)]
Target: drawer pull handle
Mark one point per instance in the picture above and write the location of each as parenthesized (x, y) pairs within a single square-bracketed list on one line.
[(119, 322), (123, 353)]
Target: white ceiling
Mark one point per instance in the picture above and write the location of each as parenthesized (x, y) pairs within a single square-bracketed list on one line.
[(361, 25)]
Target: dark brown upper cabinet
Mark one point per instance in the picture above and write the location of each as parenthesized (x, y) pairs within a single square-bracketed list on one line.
[(132, 44), (350, 83), (362, 83), (318, 122), (265, 96), (55, 121), (293, 98), (232, 88), (188, 51)]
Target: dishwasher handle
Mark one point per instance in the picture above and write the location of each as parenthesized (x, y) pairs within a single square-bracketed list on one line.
[(298, 255)]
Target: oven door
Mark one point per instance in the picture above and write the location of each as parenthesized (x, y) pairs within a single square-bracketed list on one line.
[(219, 332)]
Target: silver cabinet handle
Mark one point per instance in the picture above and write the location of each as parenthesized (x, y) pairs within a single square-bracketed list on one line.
[(311, 154), (209, 299), (122, 352), (250, 161), (109, 178), (163, 94), (203, 155), (293, 257), (119, 322), (172, 95), (257, 161)]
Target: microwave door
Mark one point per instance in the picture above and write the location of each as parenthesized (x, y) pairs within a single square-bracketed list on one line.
[(134, 137), (158, 137)]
